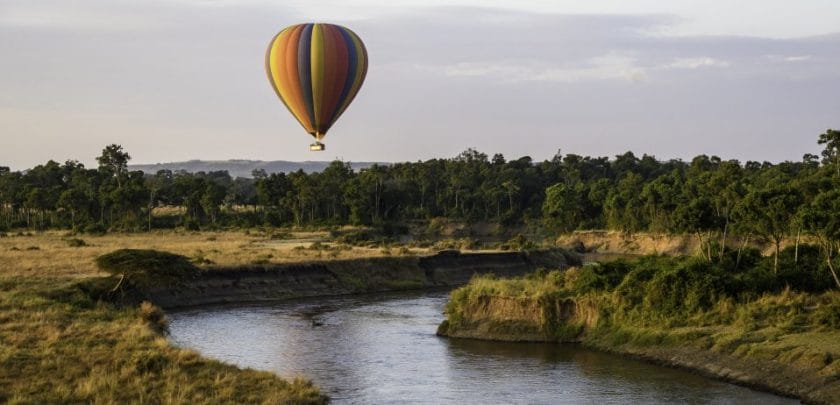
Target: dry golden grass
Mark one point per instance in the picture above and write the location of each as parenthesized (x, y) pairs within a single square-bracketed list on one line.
[(61, 346), (50, 254), (58, 344)]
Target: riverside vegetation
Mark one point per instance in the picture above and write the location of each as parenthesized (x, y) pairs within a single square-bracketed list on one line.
[(667, 308)]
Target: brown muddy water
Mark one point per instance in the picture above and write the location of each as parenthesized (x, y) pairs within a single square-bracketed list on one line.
[(382, 348)]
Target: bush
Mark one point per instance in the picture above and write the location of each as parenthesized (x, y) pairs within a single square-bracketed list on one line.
[(191, 224), (153, 316), (359, 236), (144, 269), (808, 274), (76, 242), (600, 277), (519, 242), (828, 315), (690, 286), (95, 229), (280, 235)]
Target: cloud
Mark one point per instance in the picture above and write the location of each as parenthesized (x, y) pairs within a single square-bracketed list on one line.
[(57, 16), (696, 63), (800, 58), (611, 66)]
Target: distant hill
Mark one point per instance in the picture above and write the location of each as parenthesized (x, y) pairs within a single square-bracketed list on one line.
[(243, 168)]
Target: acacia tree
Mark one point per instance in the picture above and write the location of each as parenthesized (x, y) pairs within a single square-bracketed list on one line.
[(212, 198), (822, 219), (561, 208), (696, 216), (831, 153), (770, 213), (114, 162), (72, 200)]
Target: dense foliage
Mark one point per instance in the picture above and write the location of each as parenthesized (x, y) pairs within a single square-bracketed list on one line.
[(708, 197), (676, 291)]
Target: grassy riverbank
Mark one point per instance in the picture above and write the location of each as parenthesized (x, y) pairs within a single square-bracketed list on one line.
[(741, 323), (59, 343)]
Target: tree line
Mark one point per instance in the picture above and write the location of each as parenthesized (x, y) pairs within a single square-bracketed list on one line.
[(711, 198)]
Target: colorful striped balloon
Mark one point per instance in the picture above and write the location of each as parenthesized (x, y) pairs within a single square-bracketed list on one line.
[(316, 69)]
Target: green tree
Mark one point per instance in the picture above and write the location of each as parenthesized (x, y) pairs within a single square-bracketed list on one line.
[(822, 219), (114, 162), (831, 152), (770, 213), (212, 198), (562, 208)]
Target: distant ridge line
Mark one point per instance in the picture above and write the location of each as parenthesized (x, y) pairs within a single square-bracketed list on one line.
[(244, 167)]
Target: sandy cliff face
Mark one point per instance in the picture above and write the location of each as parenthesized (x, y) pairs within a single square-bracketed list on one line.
[(528, 319), (285, 281), (615, 242)]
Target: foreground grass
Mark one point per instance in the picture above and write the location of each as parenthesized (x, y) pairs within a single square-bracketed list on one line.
[(59, 345)]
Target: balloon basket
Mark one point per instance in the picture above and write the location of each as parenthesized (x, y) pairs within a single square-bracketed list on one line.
[(317, 146)]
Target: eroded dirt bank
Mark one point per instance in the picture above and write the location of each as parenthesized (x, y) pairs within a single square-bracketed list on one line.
[(642, 243), (575, 320), (337, 277)]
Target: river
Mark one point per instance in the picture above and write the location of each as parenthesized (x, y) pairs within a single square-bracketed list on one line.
[(383, 349)]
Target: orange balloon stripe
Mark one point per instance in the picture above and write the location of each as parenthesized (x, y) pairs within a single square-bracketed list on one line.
[(273, 71), (292, 77)]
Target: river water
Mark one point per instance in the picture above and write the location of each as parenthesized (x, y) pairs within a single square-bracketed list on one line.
[(383, 349)]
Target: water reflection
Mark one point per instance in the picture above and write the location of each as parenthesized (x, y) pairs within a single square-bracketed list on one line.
[(382, 348)]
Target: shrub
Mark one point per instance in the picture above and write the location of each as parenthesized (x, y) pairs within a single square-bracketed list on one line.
[(191, 224), (280, 235), (828, 314), (600, 277), (359, 237), (144, 269), (95, 229), (688, 286), (76, 242), (153, 316), (519, 242)]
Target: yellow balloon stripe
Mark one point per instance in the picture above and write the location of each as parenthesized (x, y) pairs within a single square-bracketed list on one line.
[(292, 80), (272, 68)]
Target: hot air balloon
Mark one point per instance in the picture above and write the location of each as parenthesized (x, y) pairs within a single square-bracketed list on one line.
[(316, 69)]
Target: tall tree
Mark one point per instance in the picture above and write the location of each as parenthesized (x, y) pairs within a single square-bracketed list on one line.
[(831, 152)]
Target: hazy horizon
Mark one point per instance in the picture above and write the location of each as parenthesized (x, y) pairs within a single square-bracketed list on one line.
[(183, 79)]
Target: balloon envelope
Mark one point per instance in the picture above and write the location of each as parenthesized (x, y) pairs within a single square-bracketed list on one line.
[(316, 69)]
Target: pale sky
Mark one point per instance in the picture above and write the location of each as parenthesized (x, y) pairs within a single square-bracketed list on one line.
[(183, 79)]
